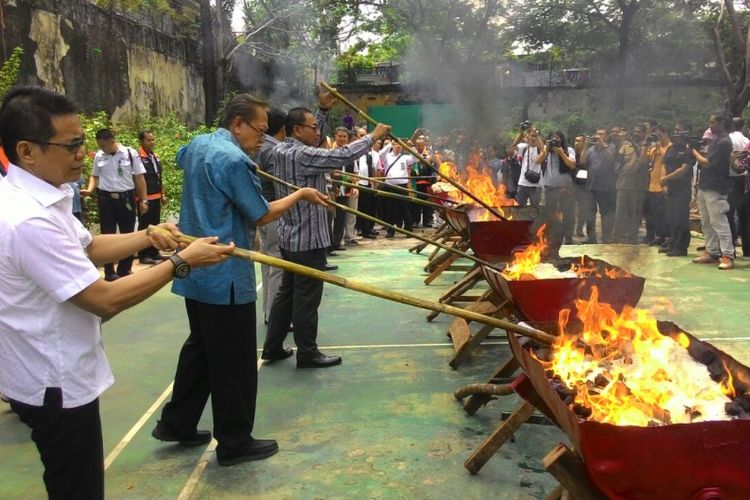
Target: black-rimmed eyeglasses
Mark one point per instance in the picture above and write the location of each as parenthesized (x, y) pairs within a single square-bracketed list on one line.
[(71, 148)]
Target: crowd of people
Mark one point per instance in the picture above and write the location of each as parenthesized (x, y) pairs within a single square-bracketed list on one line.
[(52, 365)]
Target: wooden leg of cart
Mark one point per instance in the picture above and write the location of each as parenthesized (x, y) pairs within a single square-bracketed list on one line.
[(497, 439), (441, 233), (442, 267), (569, 470), (464, 340), (457, 291), (506, 370)]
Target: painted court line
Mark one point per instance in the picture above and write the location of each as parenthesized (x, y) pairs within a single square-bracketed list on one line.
[(134, 430)]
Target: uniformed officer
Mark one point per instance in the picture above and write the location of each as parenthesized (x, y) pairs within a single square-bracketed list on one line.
[(154, 195), (118, 173)]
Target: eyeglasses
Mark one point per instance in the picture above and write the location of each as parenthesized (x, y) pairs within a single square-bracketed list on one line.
[(71, 148), (314, 127), (260, 131)]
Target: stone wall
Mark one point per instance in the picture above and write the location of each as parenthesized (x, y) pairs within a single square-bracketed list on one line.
[(105, 61)]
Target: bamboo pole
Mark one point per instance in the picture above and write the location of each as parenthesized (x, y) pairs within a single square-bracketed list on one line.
[(401, 298), (413, 152), (399, 188), (395, 196), (389, 226)]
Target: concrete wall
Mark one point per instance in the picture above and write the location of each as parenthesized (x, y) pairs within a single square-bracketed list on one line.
[(104, 61)]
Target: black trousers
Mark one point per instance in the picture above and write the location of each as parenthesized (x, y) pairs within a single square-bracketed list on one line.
[(117, 214), (218, 358), (152, 217), (367, 205), (678, 207), (396, 212), (658, 224), (339, 223), (745, 226), (422, 212), (69, 441), (297, 301), (736, 201)]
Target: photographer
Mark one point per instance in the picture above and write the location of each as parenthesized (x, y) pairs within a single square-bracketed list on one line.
[(632, 179), (714, 186), (510, 171), (599, 160), (558, 164), (676, 181), (531, 169), (584, 201)]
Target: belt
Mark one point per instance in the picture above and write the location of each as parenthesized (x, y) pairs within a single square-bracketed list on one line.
[(117, 196)]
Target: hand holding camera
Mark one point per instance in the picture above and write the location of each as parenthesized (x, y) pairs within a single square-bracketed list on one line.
[(524, 125)]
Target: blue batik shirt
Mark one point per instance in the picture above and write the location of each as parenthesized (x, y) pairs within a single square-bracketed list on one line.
[(221, 196)]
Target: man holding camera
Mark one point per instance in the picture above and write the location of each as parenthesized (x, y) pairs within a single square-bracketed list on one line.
[(714, 186), (531, 166), (599, 159), (632, 180)]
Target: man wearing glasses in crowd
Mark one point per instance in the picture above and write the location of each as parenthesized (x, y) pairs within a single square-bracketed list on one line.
[(303, 231)]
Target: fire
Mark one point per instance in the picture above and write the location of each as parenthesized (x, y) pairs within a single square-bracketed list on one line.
[(525, 262), (625, 372), (477, 179)]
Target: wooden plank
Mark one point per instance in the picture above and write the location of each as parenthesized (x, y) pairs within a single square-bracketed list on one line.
[(497, 439), (569, 470), (441, 268), (459, 333)]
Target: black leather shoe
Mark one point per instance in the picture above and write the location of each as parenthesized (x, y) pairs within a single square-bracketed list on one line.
[(369, 236), (332, 254), (199, 438), (148, 261), (663, 249), (317, 360), (329, 267), (111, 277), (277, 356), (256, 449)]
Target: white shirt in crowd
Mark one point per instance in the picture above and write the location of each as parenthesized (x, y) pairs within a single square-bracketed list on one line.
[(739, 143), (45, 340), (528, 161), (396, 166), (116, 171), (363, 170)]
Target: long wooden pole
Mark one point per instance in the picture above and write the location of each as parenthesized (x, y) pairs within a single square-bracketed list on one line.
[(413, 152), (389, 226), (399, 188), (395, 196), (401, 298)]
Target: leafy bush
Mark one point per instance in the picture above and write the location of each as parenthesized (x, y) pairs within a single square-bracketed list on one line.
[(170, 134), (9, 71)]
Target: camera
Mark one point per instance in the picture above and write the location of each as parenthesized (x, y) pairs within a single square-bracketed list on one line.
[(689, 141), (553, 143), (592, 139), (525, 125), (653, 137)]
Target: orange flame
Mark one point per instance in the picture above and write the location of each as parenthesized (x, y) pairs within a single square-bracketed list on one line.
[(525, 262), (625, 372)]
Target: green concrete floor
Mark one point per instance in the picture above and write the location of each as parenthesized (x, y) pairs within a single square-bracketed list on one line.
[(382, 425)]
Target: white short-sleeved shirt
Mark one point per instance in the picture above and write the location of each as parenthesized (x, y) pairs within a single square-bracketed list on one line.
[(528, 162), (116, 171), (45, 340)]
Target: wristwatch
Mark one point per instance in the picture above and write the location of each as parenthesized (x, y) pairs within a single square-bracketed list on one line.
[(181, 268)]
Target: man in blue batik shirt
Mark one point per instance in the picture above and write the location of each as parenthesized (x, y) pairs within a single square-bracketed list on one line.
[(222, 197)]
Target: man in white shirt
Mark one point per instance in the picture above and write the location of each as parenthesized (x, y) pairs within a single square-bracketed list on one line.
[(737, 222), (368, 166), (119, 174), (52, 364), (397, 165)]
